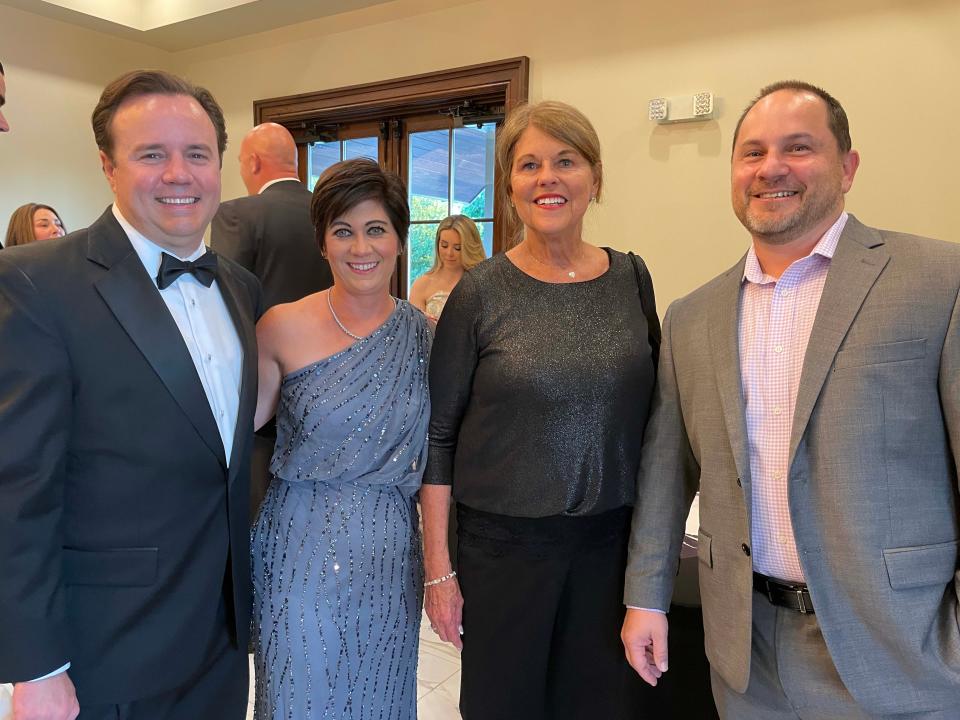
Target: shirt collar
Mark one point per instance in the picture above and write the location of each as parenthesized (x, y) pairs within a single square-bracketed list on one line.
[(275, 181), (825, 247), (148, 251)]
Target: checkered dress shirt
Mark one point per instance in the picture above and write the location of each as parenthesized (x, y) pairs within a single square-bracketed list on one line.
[(776, 316)]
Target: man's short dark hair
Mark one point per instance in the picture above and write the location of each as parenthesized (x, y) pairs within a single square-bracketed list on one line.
[(836, 115), (151, 82), (348, 183)]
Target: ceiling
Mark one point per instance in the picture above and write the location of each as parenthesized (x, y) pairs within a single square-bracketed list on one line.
[(175, 25)]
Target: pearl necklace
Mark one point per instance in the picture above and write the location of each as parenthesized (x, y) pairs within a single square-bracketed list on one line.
[(340, 325)]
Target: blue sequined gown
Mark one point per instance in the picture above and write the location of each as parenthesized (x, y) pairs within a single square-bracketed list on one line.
[(337, 566)]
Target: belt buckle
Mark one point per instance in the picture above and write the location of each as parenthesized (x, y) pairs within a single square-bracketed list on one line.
[(803, 605)]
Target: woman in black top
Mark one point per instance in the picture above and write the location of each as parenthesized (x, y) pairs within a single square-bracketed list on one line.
[(541, 377)]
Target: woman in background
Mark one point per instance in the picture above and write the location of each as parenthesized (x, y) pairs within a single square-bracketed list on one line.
[(457, 248), (540, 380), (336, 558), (32, 222)]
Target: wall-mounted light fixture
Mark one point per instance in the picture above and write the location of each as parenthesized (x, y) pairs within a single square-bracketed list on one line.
[(681, 108)]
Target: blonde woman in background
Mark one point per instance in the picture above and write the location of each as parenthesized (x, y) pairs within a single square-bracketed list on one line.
[(457, 248), (31, 222)]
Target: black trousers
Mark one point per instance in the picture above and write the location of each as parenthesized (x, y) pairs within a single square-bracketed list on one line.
[(543, 608)]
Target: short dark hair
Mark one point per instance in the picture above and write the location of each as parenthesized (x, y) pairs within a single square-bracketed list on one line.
[(836, 115), (346, 184), (151, 82)]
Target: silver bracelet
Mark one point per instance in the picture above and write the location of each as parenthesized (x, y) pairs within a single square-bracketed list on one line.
[(443, 578)]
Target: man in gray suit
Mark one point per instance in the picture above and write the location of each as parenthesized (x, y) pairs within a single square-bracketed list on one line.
[(271, 235), (812, 392), (269, 232)]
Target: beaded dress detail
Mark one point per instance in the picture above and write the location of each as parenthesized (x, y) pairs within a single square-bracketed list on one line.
[(337, 565)]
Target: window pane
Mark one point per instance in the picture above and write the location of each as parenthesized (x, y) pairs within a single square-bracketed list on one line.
[(320, 156), (473, 158), (367, 147), (486, 236), (429, 175), (420, 247)]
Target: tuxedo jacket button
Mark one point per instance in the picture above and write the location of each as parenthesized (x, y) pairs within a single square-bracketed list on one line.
[(746, 549)]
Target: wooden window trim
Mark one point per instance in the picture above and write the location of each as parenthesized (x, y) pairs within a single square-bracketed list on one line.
[(503, 82)]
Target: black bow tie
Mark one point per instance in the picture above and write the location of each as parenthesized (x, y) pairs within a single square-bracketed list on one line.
[(204, 269)]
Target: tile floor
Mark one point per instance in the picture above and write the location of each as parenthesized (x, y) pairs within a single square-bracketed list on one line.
[(438, 678)]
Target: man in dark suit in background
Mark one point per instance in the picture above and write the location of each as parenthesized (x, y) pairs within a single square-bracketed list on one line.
[(271, 235), (269, 232), (127, 392)]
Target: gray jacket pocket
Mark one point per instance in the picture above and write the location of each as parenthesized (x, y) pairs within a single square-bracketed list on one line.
[(922, 565), (859, 355)]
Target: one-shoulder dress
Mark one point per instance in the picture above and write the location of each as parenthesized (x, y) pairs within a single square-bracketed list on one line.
[(337, 565)]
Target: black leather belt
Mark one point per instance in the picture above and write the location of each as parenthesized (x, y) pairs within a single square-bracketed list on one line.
[(795, 596)]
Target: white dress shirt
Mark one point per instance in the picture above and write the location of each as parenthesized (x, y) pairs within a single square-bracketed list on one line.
[(207, 330)]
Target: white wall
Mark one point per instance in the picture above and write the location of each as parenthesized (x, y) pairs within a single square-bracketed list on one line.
[(893, 64), (54, 75)]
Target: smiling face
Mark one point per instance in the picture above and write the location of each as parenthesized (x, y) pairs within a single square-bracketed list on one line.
[(449, 248), (361, 246), (165, 169), (46, 225), (788, 176), (550, 185)]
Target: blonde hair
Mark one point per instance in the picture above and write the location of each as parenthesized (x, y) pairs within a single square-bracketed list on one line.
[(559, 120), (20, 229), (471, 246)]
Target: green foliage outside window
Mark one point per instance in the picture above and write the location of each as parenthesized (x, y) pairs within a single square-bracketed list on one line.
[(421, 240)]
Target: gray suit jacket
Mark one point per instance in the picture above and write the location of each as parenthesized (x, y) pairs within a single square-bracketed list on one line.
[(271, 235), (873, 476)]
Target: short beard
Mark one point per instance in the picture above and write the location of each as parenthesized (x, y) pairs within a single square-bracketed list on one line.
[(784, 230)]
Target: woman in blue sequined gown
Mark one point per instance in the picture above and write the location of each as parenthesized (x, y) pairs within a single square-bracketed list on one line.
[(337, 568)]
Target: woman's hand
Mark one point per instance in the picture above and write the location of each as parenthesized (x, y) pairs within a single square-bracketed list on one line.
[(444, 605), (442, 601)]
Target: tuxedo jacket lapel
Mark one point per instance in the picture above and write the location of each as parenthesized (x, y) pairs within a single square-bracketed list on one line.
[(239, 305), (857, 263), (725, 349), (134, 300)]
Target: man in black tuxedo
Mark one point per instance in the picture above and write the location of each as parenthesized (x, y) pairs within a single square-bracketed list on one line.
[(271, 235), (269, 232), (127, 395)]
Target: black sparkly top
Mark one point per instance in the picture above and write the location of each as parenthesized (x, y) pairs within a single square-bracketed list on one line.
[(540, 391)]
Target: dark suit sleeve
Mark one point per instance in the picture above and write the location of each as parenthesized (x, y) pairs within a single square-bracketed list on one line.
[(35, 417), (234, 237)]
